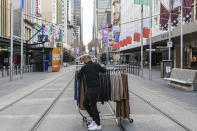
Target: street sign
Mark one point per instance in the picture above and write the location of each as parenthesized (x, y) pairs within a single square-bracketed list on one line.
[(151, 49), (43, 38), (169, 43)]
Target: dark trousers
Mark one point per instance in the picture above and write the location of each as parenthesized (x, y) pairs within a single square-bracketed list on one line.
[(90, 104)]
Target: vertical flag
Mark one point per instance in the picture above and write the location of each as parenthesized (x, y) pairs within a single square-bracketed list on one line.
[(142, 2), (164, 17), (146, 28), (22, 5), (187, 10), (175, 11), (137, 33), (175, 16), (105, 33)]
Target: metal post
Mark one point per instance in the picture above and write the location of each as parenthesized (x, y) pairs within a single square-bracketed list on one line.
[(169, 31), (150, 45), (50, 59), (21, 71), (181, 48), (4, 71), (11, 42), (43, 49), (107, 51), (142, 57), (62, 55)]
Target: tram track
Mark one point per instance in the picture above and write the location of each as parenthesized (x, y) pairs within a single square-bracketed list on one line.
[(47, 111), (28, 94), (159, 110)]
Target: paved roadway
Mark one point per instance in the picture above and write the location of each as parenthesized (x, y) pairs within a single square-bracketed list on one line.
[(51, 107)]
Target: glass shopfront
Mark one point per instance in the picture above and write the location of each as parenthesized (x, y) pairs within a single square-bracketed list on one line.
[(4, 55)]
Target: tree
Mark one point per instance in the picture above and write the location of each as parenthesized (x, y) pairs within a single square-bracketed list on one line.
[(103, 58), (68, 57)]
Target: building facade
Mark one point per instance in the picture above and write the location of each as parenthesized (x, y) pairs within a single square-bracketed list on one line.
[(130, 19), (4, 32)]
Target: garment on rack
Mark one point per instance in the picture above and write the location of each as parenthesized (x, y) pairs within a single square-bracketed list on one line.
[(116, 86), (123, 106), (105, 88), (77, 89), (82, 94)]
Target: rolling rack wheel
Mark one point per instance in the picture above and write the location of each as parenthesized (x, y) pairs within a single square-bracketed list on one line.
[(131, 120), (86, 121)]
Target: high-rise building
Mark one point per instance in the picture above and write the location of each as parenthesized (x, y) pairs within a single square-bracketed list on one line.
[(76, 18), (102, 15)]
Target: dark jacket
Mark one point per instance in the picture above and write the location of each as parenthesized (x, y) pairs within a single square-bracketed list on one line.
[(91, 71)]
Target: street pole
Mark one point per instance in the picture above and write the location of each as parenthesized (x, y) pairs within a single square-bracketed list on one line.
[(107, 51), (62, 55), (169, 26), (11, 41), (142, 67), (43, 49), (181, 37), (21, 43), (150, 45)]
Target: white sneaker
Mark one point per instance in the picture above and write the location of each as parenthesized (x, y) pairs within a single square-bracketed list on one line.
[(95, 127), (91, 124)]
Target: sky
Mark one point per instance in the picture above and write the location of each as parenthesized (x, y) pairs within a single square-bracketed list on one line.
[(87, 6)]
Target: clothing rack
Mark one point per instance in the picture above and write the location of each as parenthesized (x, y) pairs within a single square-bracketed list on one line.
[(112, 116)]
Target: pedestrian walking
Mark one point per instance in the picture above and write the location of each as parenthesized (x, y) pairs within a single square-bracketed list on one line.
[(91, 71)]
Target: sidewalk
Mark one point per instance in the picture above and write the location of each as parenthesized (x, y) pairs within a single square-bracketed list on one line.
[(175, 103)]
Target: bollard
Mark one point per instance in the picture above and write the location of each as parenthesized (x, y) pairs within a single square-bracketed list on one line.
[(28, 68), (138, 70), (17, 70), (4, 72), (48, 69), (8, 71), (25, 68), (14, 70)]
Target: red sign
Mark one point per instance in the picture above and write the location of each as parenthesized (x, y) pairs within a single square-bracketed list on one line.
[(37, 10)]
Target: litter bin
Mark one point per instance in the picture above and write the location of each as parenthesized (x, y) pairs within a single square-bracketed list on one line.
[(166, 68)]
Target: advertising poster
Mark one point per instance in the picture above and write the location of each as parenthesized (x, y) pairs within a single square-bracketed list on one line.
[(105, 33), (56, 59)]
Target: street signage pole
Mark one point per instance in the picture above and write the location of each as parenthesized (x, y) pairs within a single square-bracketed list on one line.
[(43, 48), (169, 28), (22, 6), (142, 57), (181, 37), (150, 45), (11, 41)]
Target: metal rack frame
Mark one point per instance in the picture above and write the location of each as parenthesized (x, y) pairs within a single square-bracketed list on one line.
[(118, 120)]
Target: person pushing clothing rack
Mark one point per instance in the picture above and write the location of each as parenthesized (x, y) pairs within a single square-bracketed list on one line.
[(91, 71)]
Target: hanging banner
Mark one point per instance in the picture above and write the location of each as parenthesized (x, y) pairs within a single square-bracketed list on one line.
[(187, 10), (56, 59), (116, 33), (105, 33), (164, 17), (137, 33), (77, 50)]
